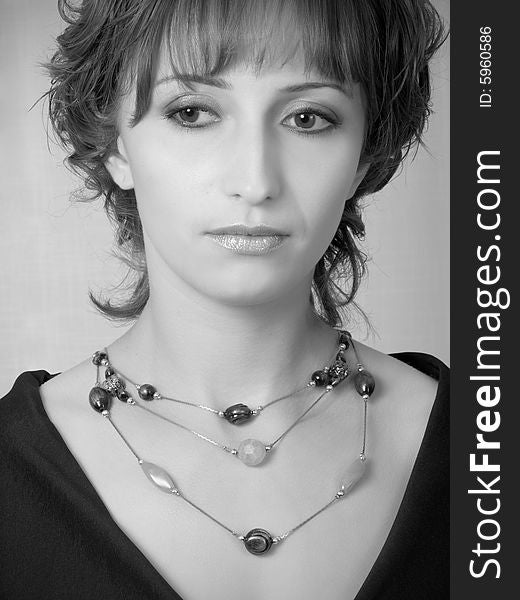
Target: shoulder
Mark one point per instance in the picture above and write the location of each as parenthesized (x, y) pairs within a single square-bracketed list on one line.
[(410, 401), (408, 373), (21, 406)]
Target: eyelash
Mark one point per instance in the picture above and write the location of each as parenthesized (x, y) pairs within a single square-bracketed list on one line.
[(172, 116)]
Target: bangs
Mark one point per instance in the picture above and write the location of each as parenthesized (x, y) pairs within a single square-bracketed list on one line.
[(207, 37)]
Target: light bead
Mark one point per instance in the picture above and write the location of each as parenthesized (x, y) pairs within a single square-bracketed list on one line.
[(251, 452), (352, 475), (159, 477)]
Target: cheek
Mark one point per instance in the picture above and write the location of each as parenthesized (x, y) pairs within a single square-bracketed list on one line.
[(170, 189), (322, 185)]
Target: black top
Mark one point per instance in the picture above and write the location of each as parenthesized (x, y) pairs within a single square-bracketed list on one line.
[(59, 542)]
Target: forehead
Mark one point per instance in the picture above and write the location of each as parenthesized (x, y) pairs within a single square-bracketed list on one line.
[(213, 36), (199, 39)]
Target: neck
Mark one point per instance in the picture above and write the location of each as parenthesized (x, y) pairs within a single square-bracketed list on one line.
[(217, 354)]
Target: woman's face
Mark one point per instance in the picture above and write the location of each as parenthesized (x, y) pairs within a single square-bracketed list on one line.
[(241, 179)]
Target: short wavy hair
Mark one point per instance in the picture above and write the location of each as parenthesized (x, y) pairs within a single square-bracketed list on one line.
[(109, 45)]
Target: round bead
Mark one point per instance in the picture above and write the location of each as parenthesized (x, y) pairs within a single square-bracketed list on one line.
[(251, 452), (109, 371), (99, 357), (320, 378), (146, 391), (99, 399), (365, 383), (258, 541), (238, 413)]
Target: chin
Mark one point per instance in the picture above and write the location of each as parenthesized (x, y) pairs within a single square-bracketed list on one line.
[(251, 289)]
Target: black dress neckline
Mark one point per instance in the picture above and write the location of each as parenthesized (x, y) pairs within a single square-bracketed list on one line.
[(431, 465)]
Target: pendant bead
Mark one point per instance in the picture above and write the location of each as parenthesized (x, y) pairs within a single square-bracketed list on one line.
[(320, 378), (251, 452), (159, 477), (237, 414), (146, 391), (352, 475), (99, 399), (258, 541), (365, 383)]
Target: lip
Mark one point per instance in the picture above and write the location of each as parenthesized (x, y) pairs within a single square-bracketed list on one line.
[(252, 230), (251, 240)]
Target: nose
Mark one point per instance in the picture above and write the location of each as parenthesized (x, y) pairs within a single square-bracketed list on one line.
[(251, 171)]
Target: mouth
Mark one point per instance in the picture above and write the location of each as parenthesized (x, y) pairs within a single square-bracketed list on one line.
[(243, 239)]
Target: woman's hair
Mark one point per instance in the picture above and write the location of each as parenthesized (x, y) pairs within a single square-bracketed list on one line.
[(111, 45)]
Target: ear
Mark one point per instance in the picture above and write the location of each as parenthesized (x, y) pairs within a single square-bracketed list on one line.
[(360, 175), (119, 168)]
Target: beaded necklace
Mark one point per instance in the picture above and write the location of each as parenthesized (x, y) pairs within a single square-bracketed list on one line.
[(257, 541)]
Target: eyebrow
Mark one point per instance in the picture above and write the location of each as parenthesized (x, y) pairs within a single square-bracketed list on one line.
[(223, 84), (194, 78), (312, 85)]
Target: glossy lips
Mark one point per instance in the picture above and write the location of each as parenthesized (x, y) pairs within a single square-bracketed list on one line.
[(241, 239)]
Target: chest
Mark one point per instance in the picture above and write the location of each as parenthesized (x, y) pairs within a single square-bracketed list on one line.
[(328, 556)]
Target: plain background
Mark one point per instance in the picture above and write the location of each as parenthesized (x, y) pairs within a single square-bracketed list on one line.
[(53, 250)]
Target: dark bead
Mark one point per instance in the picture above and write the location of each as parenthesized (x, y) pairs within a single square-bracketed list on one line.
[(340, 357), (320, 378), (258, 541), (238, 413), (344, 338), (123, 395), (146, 391), (99, 399), (99, 357), (365, 383), (109, 371)]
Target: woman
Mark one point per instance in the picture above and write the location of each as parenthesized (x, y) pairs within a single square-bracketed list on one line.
[(232, 142)]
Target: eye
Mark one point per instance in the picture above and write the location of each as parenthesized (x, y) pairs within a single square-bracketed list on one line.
[(192, 117), (309, 121)]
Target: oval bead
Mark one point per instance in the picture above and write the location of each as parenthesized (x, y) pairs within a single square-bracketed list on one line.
[(320, 378), (238, 413), (252, 452), (258, 541), (146, 391), (344, 338), (123, 395), (365, 383), (352, 474), (99, 399), (159, 477)]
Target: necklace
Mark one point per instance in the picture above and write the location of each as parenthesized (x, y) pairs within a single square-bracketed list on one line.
[(257, 541), (250, 451), (237, 413)]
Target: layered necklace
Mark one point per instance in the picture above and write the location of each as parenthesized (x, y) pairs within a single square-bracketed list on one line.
[(251, 452)]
